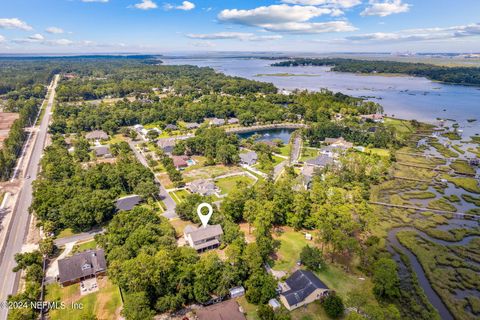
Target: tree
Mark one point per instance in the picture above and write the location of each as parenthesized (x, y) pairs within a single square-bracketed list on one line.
[(137, 307), (385, 279), (265, 312), (312, 257), (152, 135), (46, 246), (260, 287), (333, 306)]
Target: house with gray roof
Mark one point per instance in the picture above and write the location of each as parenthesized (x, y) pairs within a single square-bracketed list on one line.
[(216, 121), (102, 151), (320, 161), (166, 145), (338, 143), (249, 158), (203, 187), (302, 288), (192, 125), (232, 120), (81, 266), (171, 127), (97, 135), (203, 238), (127, 203)]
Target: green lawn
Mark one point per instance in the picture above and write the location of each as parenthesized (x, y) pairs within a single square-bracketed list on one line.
[(65, 233), (103, 304), (308, 153), (179, 196), (379, 151), (401, 126), (285, 150), (114, 139), (291, 243), (227, 184), (84, 246)]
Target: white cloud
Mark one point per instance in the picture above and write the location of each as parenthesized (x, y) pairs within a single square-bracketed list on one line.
[(2, 38), (334, 3), (185, 6), (425, 34), (14, 23), (285, 18), (103, 1), (54, 30), (203, 44), (146, 5), (385, 8), (59, 42), (36, 37), (243, 36)]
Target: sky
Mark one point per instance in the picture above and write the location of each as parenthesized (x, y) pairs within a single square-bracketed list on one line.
[(156, 26)]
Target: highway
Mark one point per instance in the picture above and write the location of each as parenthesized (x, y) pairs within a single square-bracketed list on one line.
[(17, 230)]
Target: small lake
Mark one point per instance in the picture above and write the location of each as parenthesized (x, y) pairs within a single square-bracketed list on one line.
[(402, 96), (269, 135)]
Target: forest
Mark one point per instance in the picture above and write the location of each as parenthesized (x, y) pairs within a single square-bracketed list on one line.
[(454, 75)]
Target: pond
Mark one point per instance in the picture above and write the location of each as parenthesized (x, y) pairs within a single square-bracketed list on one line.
[(269, 134)]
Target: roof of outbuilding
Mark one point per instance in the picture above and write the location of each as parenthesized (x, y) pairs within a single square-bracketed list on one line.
[(302, 283)]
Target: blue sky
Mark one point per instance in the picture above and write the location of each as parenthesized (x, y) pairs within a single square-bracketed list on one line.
[(74, 26)]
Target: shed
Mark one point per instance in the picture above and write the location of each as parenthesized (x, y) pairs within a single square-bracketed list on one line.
[(237, 292), (274, 304)]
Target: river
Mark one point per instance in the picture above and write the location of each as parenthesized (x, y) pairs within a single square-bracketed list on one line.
[(402, 96)]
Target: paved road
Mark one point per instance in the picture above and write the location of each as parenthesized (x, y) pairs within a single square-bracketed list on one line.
[(163, 193), (296, 147), (78, 237), (18, 227)]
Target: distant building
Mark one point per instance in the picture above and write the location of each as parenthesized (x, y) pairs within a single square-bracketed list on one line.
[(203, 238), (233, 121), (237, 292), (171, 127), (191, 125), (102, 151), (203, 187), (338, 143), (301, 288), (180, 161), (227, 310), (216, 121), (81, 266), (166, 145), (321, 161), (249, 158), (127, 203), (97, 135), (372, 117)]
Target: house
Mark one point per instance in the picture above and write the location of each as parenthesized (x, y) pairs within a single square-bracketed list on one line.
[(128, 202), (191, 125), (249, 158), (138, 128), (204, 238), (237, 292), (274, 304), (80, 266), (338, 143), (216, 121), (166, 145), (180, 161), (203, 187), (171, 127), (102, 151), (227, 310), (232, 121), (321, 161), (96, 135), (372, 117), (302, 288), (307, 175)]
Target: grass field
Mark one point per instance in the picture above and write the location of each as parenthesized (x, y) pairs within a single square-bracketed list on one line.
[(285, 150), (469, 184), (104, 304), (179, 224), (65, 233), (84, 246), (379, 151), (308, 153), (227, 184), (291, 243), (179, 195)]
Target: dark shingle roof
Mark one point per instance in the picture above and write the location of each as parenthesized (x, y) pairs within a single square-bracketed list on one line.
[(302, 283), (221, 311), (128, 203), (320, 161), (81, 265)]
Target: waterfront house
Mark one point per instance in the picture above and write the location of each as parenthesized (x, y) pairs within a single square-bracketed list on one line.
[(232, 121), (216, 121), (301, 288), (81, 266), (372, 117), (203, 238), (249, 158)]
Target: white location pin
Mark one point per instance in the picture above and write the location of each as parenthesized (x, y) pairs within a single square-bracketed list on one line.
[(204, 217)]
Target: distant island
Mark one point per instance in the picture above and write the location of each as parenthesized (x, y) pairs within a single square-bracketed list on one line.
[(453, 75)]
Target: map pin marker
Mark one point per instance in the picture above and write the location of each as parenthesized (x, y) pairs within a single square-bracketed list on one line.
[(204, 217)]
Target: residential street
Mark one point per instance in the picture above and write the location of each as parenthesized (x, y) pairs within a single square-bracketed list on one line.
[(18, 227), (163, 193)]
